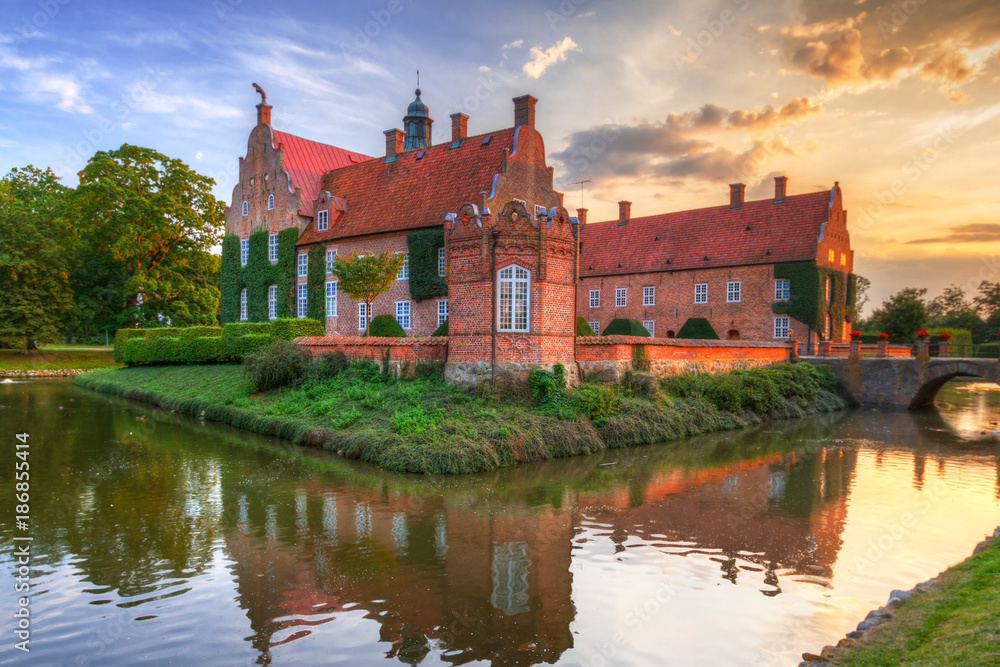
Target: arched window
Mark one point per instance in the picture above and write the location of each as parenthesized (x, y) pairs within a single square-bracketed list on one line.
[(733, 334), (270, 202), (513, 298), (246, 208)]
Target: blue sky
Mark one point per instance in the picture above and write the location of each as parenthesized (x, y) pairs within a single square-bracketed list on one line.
[(661, 103)]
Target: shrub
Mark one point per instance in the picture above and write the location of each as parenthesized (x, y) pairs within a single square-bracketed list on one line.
[(600, 401), (328, 365), (385, 325), (204, 350), (243, 346), (132, 352), (413, 421), (276, 365), (583, 327), (122, 336), (546, 384), (165, 349), (697, 328), (624, 327), (441, 330), (291, 328)]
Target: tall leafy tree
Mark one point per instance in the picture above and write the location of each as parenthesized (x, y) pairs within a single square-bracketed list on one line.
[(148, 223), (902, 314), (365, 277), (35, 246)]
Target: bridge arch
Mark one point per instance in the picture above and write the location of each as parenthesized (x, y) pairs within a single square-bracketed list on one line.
[(940, 372)]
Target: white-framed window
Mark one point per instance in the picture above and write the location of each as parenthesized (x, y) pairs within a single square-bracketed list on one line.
[(303, 299), (244, 251), (270, 202), (303, 265), (781, 327), (782, 288), (701, 293), (621, 297), (362, 316), (323, 221), (514, 298), (246, 208), (272, 302), (331, 298), (649, 296), (404, 270), (650, 326), (272, 247), (330, 254), (442, 311), (596, 326), (403, 314), (243, 304), (441, 262), (595, 298), (734, 291)]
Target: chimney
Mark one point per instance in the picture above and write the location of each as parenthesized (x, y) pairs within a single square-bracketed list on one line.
[(624, 211), (780, 183), (524, 111), (581, 215), (263, 114), (736, 191), (393, 142), (459, 126)]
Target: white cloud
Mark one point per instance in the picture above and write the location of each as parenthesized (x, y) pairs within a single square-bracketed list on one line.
[(516, 44), (67, 90), (542, 60)]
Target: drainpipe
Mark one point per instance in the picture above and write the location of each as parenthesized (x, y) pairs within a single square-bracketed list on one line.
[(493, 309)]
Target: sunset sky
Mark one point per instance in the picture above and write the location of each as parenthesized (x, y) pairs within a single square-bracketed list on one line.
[(660, 103)]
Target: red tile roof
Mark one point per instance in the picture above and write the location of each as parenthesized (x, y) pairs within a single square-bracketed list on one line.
[(761, 232), (409, 193), (306, 161)]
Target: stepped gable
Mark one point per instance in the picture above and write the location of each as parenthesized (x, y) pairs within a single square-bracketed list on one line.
[(415, 189), (307, 161), (760, 232)]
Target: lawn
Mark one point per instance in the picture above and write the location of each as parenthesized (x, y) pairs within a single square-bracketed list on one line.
[(53, 359)]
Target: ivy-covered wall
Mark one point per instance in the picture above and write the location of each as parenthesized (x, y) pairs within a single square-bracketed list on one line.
[(258, 275), (423, 246), (316, 284), (808, 301)]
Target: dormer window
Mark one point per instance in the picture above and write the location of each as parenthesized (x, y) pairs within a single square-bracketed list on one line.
[(270, 202), (246, 208), (323, 221)]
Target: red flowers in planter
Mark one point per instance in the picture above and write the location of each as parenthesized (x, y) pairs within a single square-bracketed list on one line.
[(883, 336), (922, 333), (857, 334), (944, 335)]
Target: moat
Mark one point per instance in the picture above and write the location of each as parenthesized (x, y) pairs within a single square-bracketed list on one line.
[(161, 539)]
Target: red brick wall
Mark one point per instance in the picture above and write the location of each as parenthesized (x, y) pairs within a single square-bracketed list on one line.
[(836, 240), (403, 352)]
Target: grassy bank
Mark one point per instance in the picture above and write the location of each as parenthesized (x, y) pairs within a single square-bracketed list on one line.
[(424, 425), (53, 359), (957, 622)]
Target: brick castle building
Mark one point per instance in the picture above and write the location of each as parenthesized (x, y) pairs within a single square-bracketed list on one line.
[(478, 216)]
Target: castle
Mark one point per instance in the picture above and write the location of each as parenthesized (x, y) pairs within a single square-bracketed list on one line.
[(491, 250)]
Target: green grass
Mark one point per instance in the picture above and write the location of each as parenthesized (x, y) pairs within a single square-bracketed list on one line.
[(956, 623), (49, 359), (423, 425)]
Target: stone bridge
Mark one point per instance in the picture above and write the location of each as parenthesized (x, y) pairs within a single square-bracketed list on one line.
[(907, 382)]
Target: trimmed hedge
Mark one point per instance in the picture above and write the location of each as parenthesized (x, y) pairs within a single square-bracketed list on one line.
[(624, 327), (385, 325), (441, 330), (697, 328), (291, 328), (167, 349), (583, 327), (247, 344)]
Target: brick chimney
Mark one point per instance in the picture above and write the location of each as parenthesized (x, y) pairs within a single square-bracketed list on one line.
[(780, 185), (736, 191), (581, 215), (263, 114), (624, 211), (393, 142), (459, 126), (524, 111)]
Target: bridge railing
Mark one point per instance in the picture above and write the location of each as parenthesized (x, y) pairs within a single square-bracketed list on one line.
[(936, 349)]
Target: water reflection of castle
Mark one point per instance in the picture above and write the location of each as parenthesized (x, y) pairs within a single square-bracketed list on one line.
[(481, 578)]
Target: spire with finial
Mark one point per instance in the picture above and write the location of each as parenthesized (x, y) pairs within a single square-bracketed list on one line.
[(417, 123)]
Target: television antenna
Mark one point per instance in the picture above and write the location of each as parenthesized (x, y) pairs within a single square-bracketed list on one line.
[(580, 183)]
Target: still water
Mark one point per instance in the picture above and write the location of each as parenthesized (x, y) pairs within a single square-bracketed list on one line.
[(161, 540)]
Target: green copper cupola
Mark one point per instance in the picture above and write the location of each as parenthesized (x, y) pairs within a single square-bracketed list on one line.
[(417, 125)]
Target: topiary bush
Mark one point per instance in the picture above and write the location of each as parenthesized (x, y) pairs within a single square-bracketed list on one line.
[(697, 328), (278, 364), (442, 330), (583, 327), (624, 327), (291, 328), (385, 325)]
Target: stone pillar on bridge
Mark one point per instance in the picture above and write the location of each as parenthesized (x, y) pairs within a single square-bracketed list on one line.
[(855, 349), (923, 349), (944, 349), (883, 348), (824, 348)]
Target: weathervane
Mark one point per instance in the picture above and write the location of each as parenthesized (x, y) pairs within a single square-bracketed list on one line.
[(263, 95)]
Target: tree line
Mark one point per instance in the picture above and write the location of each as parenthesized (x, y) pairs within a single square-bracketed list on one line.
[(129, 246), (909, 310)]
